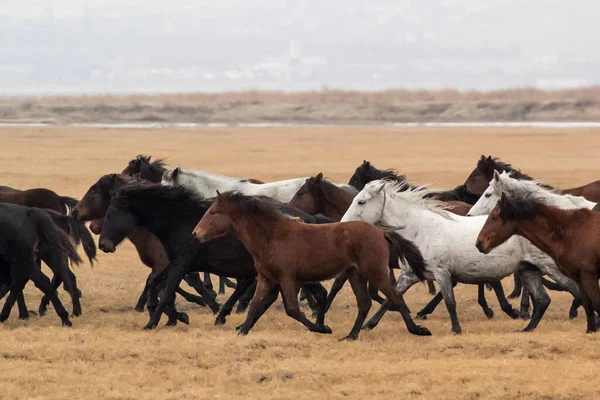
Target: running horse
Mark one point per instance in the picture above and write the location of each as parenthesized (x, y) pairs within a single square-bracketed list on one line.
[(287, 251), (570, 237)]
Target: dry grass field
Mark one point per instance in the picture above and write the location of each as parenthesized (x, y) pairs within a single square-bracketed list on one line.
[(107, 355)]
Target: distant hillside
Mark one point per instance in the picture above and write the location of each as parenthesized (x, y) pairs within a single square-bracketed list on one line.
[(327, 106)]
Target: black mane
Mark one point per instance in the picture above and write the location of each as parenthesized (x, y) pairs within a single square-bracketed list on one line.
[(253, 206), (159, 163), (367, 173), (111, 182), (331, 193), (516, 209), (177, 198), (487, 166)]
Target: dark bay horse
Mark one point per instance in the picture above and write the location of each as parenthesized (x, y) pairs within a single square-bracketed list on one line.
[(27, 234), (142, 168), (170, 214), (366, 173), (287, 251), (93, 207), (570, 237), (479, 179), (39, 198)]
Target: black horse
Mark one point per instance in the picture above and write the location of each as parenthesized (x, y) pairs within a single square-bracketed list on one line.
[(27, 234), (171, 213), (152, 171)]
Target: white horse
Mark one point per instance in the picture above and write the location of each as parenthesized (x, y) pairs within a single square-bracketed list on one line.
[(504, 182), (207, 184), (447, 243)]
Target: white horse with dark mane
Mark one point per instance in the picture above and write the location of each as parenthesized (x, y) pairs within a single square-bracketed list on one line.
[(207, 184), (447, 242), (533, 190)]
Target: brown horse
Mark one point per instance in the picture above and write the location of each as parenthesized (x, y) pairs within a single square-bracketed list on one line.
[(478, 181), (39, 198), (93, 207), (287, 251), (143, 169), (568, 236)]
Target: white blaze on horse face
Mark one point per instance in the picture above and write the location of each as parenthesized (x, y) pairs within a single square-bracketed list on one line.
[(367, 205), (485, 204)]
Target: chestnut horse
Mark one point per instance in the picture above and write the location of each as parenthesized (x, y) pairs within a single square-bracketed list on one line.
[(568, 236), (287, 251)]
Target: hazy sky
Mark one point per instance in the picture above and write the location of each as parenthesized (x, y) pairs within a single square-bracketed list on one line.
[(77, 46)]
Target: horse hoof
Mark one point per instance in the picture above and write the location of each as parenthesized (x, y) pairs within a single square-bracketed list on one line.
[(489, 313), (242, 333), (514, 314), (421, 331), (457, 331), (421, 316), (324, 329), (149, 327), (67, 323), (42, 312), (76, 314), (525, 330), (139, 308), (183, 317), (525, 316), (237, 328), (349, 338), (591, 331), (573, 315), (368, 326), (24, 317), (241, 310), (171, 322), (221, 321)]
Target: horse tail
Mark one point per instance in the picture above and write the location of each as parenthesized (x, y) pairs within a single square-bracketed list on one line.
[(69, 203), (78, 232), (51, 238), (404, 250)]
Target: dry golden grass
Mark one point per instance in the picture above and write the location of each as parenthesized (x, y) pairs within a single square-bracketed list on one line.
[(326, 106), (107, 355)]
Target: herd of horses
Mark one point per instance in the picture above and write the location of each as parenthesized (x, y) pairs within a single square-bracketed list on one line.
[(288, 236)]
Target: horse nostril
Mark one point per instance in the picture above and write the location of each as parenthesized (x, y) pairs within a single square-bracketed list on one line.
[(194, 234), (479, 245)]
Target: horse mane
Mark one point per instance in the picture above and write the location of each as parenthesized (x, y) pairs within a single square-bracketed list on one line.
[(418, 196), (159, 163), (526, 188), (254, 207), (516, 209), (367, 173), (487, 166), (112, 181), (178, 197)]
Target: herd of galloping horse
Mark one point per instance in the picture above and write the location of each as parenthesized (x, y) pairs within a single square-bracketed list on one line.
[(288, 236)]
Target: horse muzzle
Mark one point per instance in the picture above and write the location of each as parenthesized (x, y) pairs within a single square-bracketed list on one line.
[(200, 236), (107, 246), (481, 247)]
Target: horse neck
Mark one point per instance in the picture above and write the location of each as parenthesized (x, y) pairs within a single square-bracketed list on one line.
[(206, 183), (335, 209), (253, 232), (418, 223), (14, 198), (541, 231)]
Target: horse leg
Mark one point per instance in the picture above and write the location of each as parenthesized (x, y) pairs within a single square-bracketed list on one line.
[(430, 307), (60, 266), (55, 282), (42, 282), (289, 295), (194, 281), (23, 312), (489, 313), (337, 285), (589, 310), (518, 286), (10, 302), (363, 301), (589, 282), (504, 304), (525, 304), (574, 306), (242, 285), (532, 280), (447, 289), (244, 300), (319, 293), (207, 282), (431, 287), (174, 278), (143, 299), (264, 305), (405, 281), (263, 286)]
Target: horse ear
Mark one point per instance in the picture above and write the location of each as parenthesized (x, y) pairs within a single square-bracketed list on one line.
[(503, 198), (319, 177), (175, 172), (496, 176), (380, 187), (149, 158)]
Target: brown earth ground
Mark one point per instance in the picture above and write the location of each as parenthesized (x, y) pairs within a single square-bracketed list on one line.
[(107, 355)]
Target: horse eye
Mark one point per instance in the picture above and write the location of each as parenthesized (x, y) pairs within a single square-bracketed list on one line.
[(488, 195), (361, 202)]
